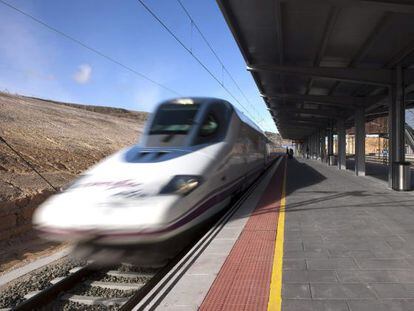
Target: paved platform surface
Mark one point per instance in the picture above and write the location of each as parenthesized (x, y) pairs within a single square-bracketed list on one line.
[(234, 271), (244, 279), (349, 242), (348, 246)]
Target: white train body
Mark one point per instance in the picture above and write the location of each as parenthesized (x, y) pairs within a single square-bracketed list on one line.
[(193, 156)]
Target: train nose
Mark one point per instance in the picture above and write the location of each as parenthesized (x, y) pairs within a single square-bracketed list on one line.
[(98, 212)]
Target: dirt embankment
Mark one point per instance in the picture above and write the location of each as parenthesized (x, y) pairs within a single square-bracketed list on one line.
[(60, 140), (277, 139)]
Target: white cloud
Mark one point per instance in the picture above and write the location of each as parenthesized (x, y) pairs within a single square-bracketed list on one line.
[(83, 74)]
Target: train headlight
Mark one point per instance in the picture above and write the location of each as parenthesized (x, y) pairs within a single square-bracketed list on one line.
[(181, 184)]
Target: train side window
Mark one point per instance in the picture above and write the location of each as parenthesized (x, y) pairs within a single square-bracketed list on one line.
[(210, 126), (214, 124)]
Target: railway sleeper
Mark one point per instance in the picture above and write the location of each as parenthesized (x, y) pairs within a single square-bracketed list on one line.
[(56, 280), (31, 294), (129, 274), (94, 301), (114, 285)]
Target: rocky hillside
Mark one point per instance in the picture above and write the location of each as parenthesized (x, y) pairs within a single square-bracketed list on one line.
[(277, 139), (60, 140)]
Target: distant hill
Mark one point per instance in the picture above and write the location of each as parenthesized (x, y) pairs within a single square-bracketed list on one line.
[(117, 112), (277, 139), (60, 139)]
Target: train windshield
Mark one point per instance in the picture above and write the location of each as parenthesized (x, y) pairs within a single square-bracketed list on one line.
[(173, 119)]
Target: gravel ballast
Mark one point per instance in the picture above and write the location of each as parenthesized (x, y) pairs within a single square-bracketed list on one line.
[(13, 294)]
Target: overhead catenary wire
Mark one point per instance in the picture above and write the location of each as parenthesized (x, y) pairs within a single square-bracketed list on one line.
[(209, 45), (28, 163), (128, 68), (92, 49), (158, 19)]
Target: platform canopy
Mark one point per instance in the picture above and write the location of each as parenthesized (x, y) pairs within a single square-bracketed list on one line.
[(315, 61)]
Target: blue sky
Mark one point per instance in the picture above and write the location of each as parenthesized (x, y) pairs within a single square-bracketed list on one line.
[(38, 62)]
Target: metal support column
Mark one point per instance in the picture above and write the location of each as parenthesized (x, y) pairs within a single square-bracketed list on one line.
[(330, 147), (360, 141), (341, 144), (318, 145), (310, 147), (396, 176), (313, 146), (323, 151), (307, 147)]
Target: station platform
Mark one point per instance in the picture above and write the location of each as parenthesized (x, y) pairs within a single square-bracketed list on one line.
[(309, 238)]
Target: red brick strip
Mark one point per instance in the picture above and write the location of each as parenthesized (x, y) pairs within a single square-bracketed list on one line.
[(243, 282)]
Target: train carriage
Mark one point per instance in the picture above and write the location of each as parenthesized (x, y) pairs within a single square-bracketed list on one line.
[(194, 154)]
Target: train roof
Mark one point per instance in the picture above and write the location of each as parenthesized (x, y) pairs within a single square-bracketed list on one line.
[(248, 121)]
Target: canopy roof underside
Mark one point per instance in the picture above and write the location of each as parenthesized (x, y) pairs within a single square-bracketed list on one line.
[(314, 61)]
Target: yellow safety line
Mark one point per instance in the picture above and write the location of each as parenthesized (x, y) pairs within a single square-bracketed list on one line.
[(275, 296)]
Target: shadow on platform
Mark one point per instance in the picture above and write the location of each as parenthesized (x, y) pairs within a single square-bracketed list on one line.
[(300, 175)]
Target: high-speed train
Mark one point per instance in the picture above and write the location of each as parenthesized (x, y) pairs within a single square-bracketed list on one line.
[(194, 154)]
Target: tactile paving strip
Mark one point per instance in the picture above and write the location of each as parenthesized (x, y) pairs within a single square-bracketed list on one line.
[(243, 282)]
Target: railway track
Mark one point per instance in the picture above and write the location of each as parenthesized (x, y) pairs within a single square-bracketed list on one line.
[(123, 287), (90, 288)]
